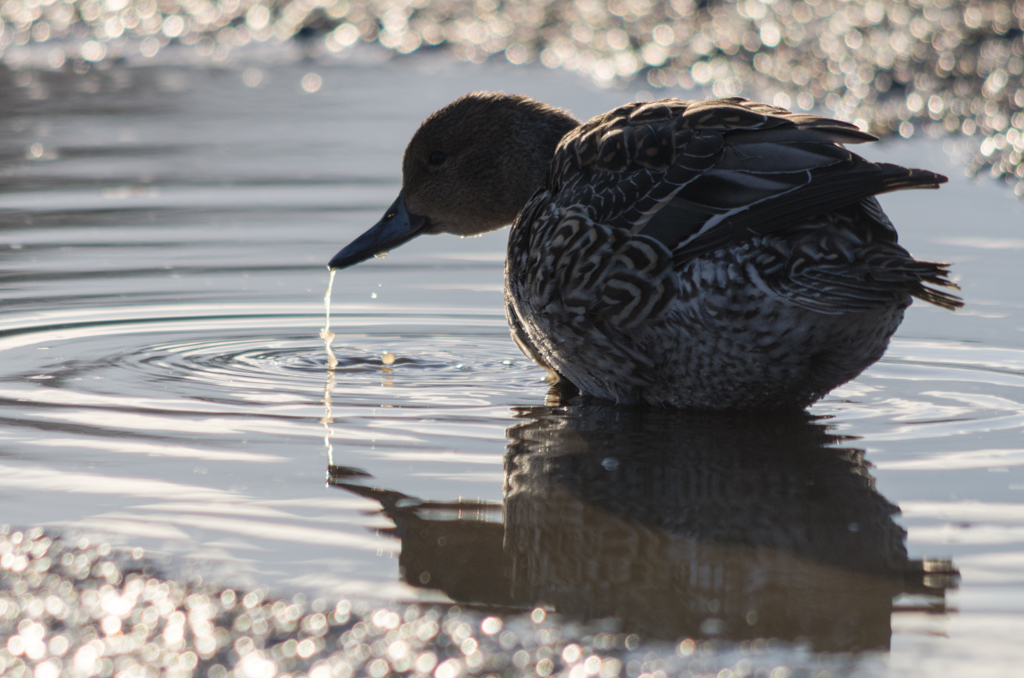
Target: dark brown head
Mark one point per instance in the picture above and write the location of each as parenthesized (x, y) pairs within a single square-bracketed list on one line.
[(469, 169), (472, 165)]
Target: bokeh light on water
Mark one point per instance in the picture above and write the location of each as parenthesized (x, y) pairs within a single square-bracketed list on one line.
[(935, 67), (71, 608)]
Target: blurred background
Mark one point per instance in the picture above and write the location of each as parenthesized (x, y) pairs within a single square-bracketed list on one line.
[(931, 67)]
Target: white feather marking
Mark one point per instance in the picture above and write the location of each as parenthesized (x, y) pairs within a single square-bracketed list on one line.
[(719, 218)]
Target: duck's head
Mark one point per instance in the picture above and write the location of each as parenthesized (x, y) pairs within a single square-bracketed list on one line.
[(469, 169)]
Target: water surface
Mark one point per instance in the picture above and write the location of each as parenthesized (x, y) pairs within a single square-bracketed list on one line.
[(163, 237)]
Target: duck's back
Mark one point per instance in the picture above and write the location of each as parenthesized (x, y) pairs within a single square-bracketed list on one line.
[(719, 254)]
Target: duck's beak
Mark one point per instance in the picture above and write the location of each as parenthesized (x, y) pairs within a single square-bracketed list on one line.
[(397, 226)]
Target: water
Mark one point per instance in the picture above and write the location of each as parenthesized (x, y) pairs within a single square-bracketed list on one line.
[(933, 67), (163, 386)]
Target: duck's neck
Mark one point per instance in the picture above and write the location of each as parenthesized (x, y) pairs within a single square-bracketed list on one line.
[(534, 131)]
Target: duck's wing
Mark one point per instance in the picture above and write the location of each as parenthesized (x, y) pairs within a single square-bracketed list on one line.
[(703, 175), (834, 264)]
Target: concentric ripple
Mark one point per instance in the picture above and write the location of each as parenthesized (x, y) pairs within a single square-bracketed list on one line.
[(224, 393), (936, 389), (225, 348)]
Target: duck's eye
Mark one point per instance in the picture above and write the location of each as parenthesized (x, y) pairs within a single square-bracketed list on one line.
[(437, 157)]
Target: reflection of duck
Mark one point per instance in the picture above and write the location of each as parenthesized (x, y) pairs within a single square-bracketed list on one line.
[(678, 525), (714, 254)]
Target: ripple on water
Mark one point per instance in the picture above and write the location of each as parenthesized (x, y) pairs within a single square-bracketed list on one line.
[(223, 345), (224, 395), (226, 398), (943, 422), (228, 371), (924, 390)]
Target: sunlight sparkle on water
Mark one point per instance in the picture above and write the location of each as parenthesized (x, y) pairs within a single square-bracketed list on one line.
[(891, 67), (80, 620)]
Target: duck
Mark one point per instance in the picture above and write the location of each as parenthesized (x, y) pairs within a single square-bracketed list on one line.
[(717, 254)]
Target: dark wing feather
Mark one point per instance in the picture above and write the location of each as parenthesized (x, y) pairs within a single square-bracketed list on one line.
[(629, 163), (843, 262), (700, 176), (816, 192)]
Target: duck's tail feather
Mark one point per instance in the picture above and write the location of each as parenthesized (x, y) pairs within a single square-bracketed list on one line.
[(937, 274)]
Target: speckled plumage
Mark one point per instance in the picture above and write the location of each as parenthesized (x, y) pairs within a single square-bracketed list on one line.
[(718, 254), (714, 254)]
